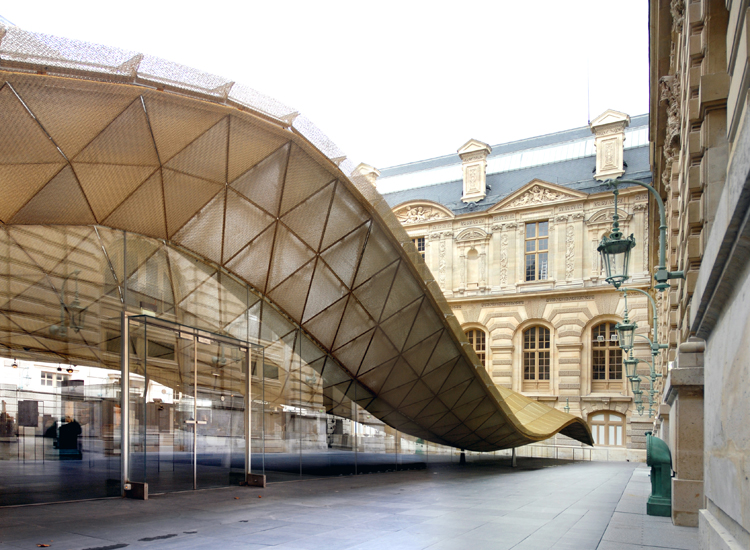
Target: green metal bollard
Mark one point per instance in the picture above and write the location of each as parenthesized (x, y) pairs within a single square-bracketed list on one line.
[(660, 460)]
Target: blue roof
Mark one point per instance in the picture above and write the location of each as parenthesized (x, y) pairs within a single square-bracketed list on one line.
[(576, 174)]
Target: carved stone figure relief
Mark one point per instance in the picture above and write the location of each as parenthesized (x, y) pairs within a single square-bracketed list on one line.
[(537, 195), (418, 214), (570, 260), (441, 265), (504, 259)]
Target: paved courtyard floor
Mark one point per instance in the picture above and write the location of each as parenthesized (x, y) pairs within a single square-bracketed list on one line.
[(540, 504)]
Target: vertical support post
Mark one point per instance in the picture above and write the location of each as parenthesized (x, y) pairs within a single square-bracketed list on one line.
[(124, 401), (195, 413), (513, 458), (248, 414)]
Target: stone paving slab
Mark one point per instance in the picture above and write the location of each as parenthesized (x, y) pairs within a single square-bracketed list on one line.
[(542, 504)]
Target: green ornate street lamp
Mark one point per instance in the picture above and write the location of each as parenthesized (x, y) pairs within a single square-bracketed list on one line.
[(626, 330), (615, 250), (566, 408)]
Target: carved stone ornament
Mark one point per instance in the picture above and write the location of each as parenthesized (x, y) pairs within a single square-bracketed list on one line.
[(677, 9), (472, 235), (441, 265), (605, 216), (537, 195), (418, 214), (669, 87), (570, 255), (504, 260)]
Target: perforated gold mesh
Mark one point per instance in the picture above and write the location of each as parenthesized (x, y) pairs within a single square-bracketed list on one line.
[(225, 189)]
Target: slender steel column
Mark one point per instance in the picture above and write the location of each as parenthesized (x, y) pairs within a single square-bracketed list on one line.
[(195, 413), (248, 414), (124, 401)]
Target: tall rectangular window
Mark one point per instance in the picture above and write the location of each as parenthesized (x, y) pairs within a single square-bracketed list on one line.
[(419, 243), (537, 248)]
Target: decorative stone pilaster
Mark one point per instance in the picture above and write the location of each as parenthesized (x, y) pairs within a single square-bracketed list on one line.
[(683, 391), (609, 129), (474, 153)]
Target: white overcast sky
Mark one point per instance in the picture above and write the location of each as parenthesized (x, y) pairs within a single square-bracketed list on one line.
[(391, 82)]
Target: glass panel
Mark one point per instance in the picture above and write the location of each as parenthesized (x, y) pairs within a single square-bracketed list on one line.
[(543, 365), (543, 244), (530, 230), (530, 246), (531, 268), (618, 432), (543, 266), (220, 403), (543, 229), (529, 371), (598, 417), (612, 438)]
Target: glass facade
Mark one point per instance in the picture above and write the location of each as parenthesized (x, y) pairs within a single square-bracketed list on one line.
[(193, 333)]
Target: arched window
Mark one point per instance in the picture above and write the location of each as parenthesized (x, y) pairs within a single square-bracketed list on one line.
[(536, 359), (608, 428), (606, 359), (478, 341)]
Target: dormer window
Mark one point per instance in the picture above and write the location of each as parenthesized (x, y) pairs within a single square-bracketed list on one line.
[(473, 155), (609, 129)]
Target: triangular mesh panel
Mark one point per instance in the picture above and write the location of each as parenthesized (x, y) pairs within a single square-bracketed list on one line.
[(244, 221), (20, 182), (22, 140), (263, 183), (344, 255), (174, 125), (74, 115), (324, 291), (61, 201), (121, 182), (304, 177), (126, 140), (248, 145), (206, 157), (202, 233), (346, 214), (307, 219), (184, 196)]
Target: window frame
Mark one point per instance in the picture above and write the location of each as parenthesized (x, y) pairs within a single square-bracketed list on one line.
[(539, 351), (605, 424), (471, 334), (536, 252), (610, 371), (420, 243)]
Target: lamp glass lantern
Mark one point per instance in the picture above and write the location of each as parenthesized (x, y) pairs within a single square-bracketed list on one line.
[(626, 333), (630, 366), (615, 254), (635, 382)]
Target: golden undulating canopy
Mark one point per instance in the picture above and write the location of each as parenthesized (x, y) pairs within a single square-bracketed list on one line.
[(98, 136)]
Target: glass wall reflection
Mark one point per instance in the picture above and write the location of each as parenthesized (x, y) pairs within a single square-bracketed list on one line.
[(63, 290)]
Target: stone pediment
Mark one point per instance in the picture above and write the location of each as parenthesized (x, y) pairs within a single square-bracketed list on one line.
[(421, 212), (610, 116), (604, 216), (472, 146), (472, 234), (537, 192)]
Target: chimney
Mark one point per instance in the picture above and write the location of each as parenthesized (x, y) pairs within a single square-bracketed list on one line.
[(370, 173), (609, 129), (473, 155)]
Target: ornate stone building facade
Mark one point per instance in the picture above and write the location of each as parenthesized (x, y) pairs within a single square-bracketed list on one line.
[(700, 136), (517, 262)]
